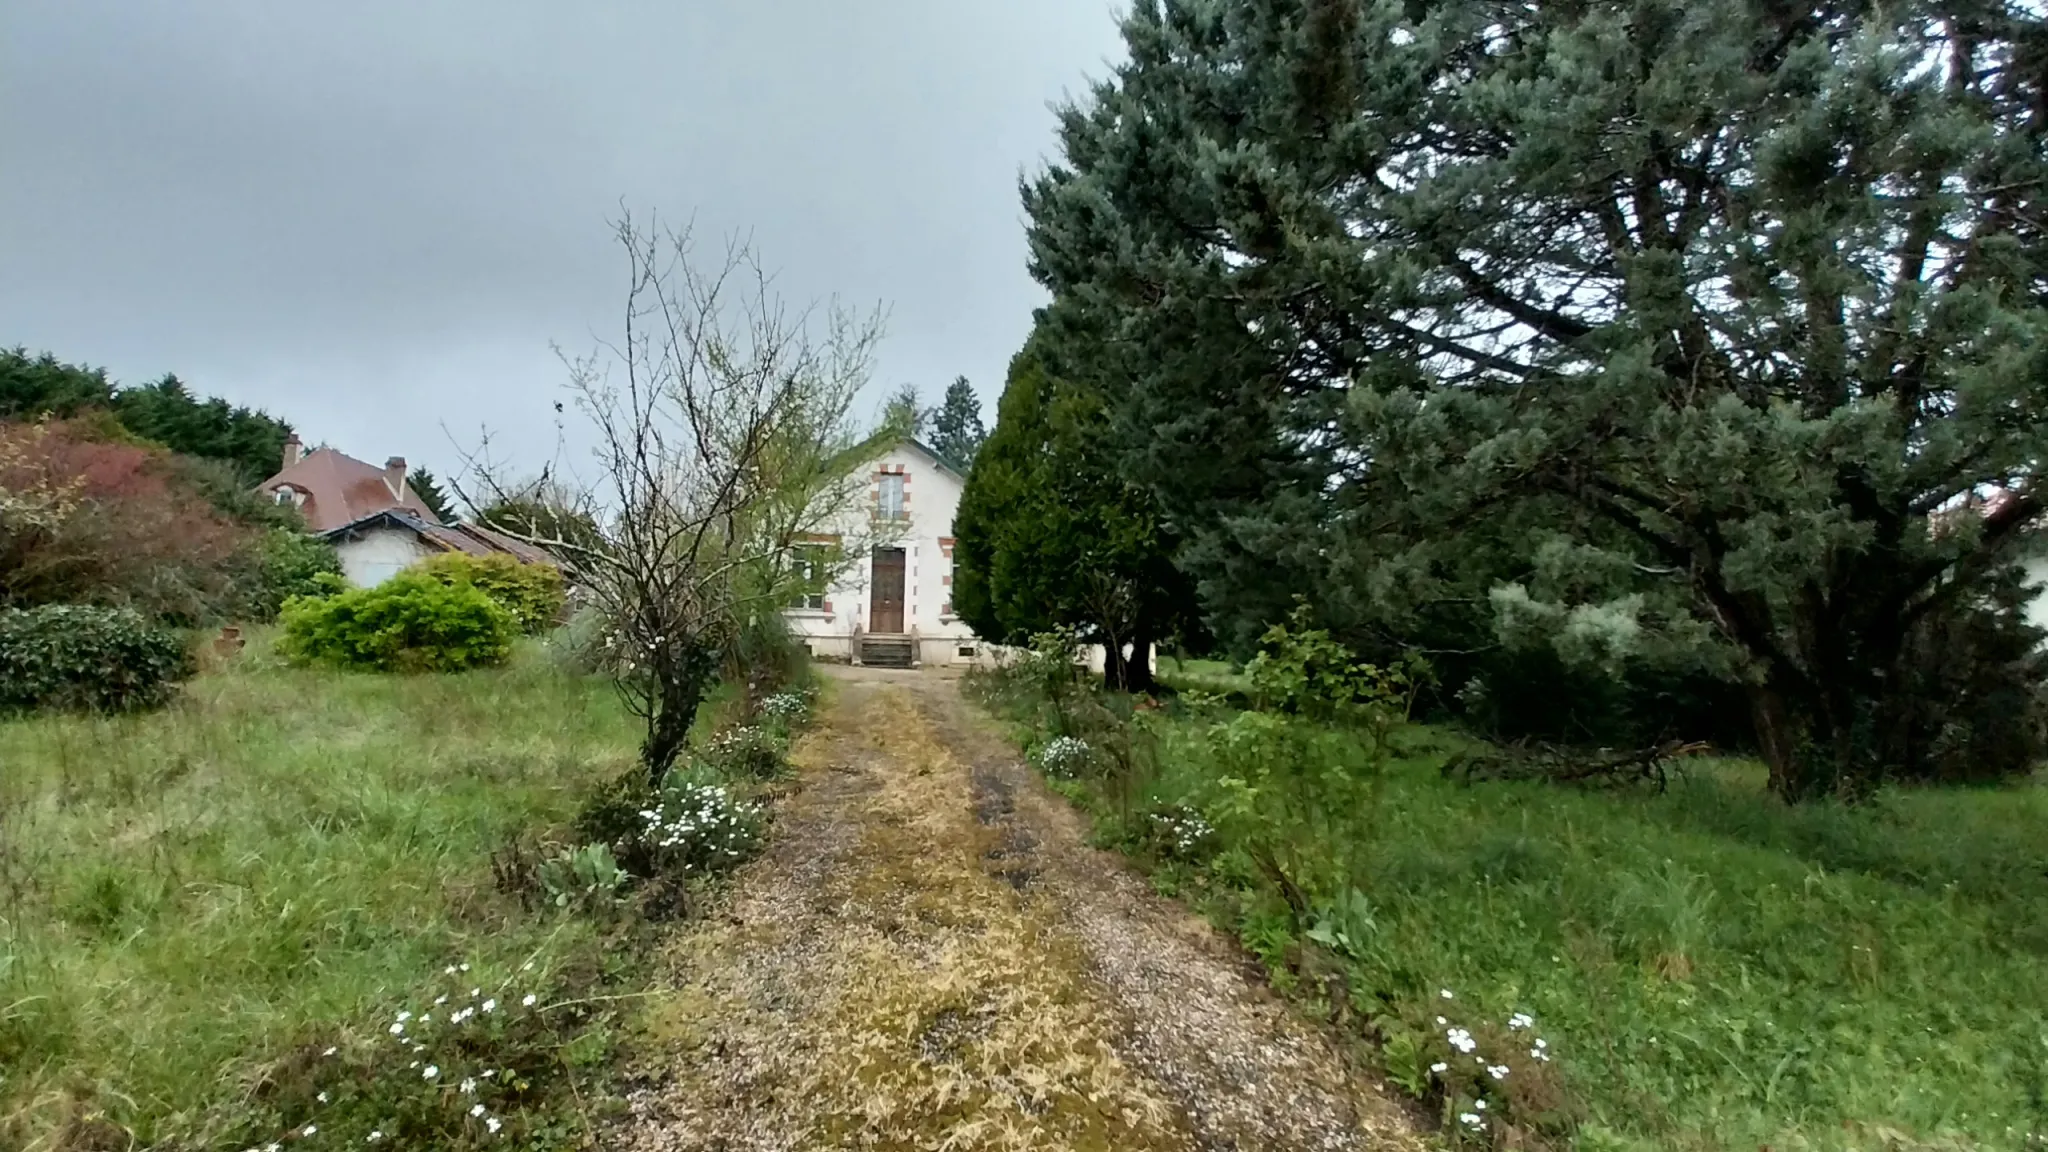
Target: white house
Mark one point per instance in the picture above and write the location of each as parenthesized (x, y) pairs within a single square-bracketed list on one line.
[(893, 605)]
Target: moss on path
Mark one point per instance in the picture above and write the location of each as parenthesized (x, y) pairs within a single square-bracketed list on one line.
[(929, 958)]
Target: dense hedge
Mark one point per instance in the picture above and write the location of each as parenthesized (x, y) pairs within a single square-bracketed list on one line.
[(79, 656), (413, 622), (533, 593), (289, 564)]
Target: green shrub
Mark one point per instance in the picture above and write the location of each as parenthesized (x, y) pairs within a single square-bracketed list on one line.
[(533, 593), (413, 622), (746, 752), (292, 564), (75, 656)]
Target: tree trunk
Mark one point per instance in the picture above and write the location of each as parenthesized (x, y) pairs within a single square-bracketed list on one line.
[(1777, 737), (1115, 671), (1138, 670)]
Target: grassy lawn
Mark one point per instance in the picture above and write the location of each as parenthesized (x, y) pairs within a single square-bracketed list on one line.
[(1711, 969), (189, 895)]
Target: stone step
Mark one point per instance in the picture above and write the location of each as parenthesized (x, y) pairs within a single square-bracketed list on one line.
[(887, 651)]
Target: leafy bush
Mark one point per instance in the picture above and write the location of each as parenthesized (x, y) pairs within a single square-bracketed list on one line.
[(413, 622), (1063, 757), (746, 752), (586, 877), (533, 593), (87, 521), (698, 829), (73, 656), (292, 564)]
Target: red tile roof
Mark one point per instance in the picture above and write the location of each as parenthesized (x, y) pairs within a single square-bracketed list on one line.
[(340, 490)]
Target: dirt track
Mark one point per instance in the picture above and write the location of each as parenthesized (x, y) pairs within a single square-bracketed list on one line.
[(929, 956)]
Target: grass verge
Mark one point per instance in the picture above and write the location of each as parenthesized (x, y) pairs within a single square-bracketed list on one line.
[(1710, 969), (208, 915)]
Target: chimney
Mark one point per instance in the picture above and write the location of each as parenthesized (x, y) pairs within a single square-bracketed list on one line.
[(394, 475), (294, 451)]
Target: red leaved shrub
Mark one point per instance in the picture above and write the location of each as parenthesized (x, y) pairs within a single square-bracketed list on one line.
[(88, 520)]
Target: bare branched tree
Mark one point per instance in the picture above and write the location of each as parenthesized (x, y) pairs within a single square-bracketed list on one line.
[(723, 452)]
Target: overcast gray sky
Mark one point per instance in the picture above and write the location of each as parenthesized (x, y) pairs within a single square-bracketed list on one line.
[(373, 216)]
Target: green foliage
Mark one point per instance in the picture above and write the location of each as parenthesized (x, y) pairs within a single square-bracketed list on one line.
[(70, 656), (697, 828), (34, 386), (537, 515), (413, 622), (292, 564), (166, 413), (1669, 339), (1049, 534), (1707, 968), (321, 845), (586, 878), (249, 442), (956, 429), (1300, 669), (428, 488), (533, 593), (747, 752)]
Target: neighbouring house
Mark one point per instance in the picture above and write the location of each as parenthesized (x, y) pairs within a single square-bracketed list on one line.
[(2032, 556), (893, 606), (378, 525)]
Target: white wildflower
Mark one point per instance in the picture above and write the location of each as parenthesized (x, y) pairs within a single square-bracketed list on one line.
[(330, 1051), (491, 1005), (1471, 1120), (1521, 1020), (322, 1097), (1445, 993), (477, 1111), (528, 1002), (432, 1071), (493, 1125), (309, 1129), (1439, 1067), (1497, 1071), (469, 1086)]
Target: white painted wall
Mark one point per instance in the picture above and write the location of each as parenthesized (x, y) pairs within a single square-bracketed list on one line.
[(2037, 576), (378, 554), (932, 496)]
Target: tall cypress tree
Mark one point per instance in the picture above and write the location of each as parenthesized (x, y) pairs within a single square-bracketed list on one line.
[(1703, 315), (1049, 533)]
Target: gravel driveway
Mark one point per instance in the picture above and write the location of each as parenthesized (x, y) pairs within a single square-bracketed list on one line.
[(930, 957)]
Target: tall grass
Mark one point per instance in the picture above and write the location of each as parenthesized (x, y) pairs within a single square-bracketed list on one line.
[(1713, 969), (188, 894)]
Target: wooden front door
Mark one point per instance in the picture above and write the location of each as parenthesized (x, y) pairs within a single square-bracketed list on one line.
[(885, 605)]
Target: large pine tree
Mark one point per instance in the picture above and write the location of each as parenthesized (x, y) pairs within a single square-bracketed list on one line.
[(1708, 313)]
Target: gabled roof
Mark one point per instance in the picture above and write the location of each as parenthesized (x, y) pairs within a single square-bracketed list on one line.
[(944, 464), (340, 490), (471, 539)]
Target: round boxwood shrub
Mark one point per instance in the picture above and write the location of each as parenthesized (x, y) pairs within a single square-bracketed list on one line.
[(79, 656), (533, 593), (413, 622)]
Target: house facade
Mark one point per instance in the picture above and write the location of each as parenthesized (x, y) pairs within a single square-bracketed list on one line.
[(893, 604)]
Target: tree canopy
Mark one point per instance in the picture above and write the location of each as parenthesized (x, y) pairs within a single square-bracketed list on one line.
[(164, 412), (1698, 321), (956, 429), (428, 488), (1050, 534)]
